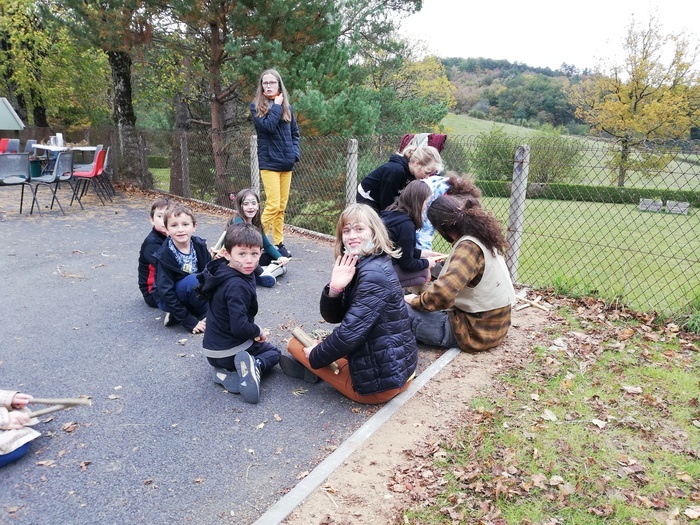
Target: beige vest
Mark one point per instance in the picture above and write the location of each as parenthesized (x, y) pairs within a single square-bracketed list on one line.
[(495, 290)]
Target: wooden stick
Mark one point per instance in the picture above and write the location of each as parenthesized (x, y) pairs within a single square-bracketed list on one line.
[(307, 341), (59, 401), (532, 303), (48, 410)]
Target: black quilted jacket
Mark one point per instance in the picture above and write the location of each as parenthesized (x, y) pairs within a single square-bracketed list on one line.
[(374, 333)]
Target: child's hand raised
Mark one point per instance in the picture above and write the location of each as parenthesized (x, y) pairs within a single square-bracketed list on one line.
[(343, 271)]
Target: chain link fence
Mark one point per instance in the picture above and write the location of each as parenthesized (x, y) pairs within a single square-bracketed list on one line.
[(584, 217)]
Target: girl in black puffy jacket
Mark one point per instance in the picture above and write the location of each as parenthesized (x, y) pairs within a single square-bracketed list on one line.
[(373, 346)]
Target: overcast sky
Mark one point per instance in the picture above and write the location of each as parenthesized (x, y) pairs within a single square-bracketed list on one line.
[(542, 33)]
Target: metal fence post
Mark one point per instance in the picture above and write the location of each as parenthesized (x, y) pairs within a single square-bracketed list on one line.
[(516, 217), (254, 167), (351, 172), (185, 165)]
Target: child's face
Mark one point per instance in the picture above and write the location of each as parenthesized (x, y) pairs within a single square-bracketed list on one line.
[(157, 220), (181, 228), (250, 207), (243, 258), (357, 238)]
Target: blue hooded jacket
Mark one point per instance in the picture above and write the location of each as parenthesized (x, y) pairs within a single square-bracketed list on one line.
[(278, 141)]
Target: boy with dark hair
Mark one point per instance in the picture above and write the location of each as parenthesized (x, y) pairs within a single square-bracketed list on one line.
[(234, 345), (178, 262), (151, 244)]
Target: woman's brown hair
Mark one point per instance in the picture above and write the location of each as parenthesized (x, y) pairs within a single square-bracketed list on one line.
[(411, 201), (456, 216)]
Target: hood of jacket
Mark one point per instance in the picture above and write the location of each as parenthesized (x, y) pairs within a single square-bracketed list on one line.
[(216, 273)]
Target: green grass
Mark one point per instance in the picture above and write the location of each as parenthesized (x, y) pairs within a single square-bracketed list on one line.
[(647, 261), (161, 178), (469, 126), (602, 430)]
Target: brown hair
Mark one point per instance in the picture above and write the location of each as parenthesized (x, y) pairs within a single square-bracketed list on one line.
[(456, 216), (262, 103), (240, 197), (175, 210), (411, 201), (160, 202), (242, 235), (461, 185)]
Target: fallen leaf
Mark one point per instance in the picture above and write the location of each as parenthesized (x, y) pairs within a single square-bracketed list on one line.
[(302, 475), (632, 389), (556, 480), (148, 482), (84, 465), (548, 415), (692, 512), (538, 480), (182, 341), (70, 427), (113, 396), (46, 463), (684, 476), (277, 417), (261, 425), (625, 333), (597, 422), (118, 387), (180, 355), (199, 480)]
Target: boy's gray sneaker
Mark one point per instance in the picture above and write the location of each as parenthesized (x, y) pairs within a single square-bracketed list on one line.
[(229, 379), (250, 376), (293, 368)]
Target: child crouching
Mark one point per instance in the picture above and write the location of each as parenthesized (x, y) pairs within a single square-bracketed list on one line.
[(233, 344)]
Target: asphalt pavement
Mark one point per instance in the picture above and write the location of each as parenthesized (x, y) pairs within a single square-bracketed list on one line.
[(161, 443)]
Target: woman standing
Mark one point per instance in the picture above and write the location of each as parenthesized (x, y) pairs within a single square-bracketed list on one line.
[(373, 346), (381, 186), (278, 150), (469, 304)]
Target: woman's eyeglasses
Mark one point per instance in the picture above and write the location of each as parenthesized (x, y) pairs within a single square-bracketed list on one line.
[(270, 83)]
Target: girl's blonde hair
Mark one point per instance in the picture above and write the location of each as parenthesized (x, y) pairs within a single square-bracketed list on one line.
[(424, 155), (262, 103), (380, 237)]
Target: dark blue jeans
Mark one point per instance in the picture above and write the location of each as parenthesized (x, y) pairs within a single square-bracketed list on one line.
[(184, 289)]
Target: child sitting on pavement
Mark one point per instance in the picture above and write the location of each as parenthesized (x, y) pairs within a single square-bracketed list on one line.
[(14, 434), (151, 244), (233, 344), (178, 262), (272, 261), (373, 346)]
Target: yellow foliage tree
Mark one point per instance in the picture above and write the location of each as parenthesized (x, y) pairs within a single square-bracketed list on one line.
[(654, 94)]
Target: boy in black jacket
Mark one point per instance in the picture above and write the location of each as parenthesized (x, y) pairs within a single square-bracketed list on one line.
[(147, 260), (178, 262), (233, 343)]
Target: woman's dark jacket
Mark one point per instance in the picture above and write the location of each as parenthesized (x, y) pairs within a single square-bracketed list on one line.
[(168, 273), (402, 233), (387, 182), (374, 333), (278, 141), (232, 306)]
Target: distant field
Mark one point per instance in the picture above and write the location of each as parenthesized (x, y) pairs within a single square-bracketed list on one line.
[(469, 126)]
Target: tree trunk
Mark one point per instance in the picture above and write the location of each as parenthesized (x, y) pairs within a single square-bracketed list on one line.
[(132, 163), (39, 110), (179, 170), (221, 182), (624, 158)]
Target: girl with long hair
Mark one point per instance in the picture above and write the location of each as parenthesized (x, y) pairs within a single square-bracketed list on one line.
[(373, 345), (278, 150), (402, 219), (469, 304)]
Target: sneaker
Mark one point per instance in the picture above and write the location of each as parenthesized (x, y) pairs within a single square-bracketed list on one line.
[(250, 376), (265, 280), (293, 368), (275, 270), (169, 320), (229, 379), (283, 250)]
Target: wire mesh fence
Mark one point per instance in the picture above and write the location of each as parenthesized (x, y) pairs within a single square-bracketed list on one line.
[(600, 218)]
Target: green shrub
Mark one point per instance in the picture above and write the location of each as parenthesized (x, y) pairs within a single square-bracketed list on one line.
[(493, 158), (553, 158), (159, 161)]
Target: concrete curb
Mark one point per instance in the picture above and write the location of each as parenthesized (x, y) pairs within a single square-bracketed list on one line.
[(284, 507)]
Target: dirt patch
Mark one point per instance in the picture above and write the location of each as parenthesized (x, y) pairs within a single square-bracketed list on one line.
[(362, 489)]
